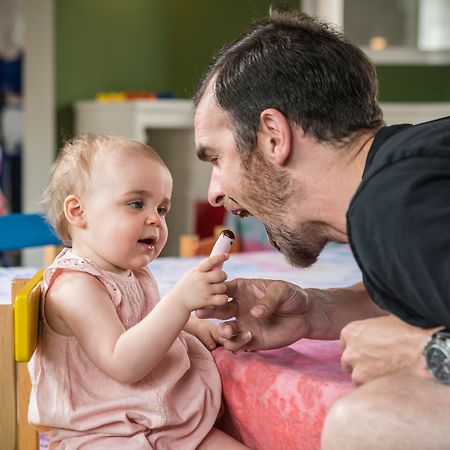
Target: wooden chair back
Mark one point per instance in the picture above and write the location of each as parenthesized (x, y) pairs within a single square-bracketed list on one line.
[(19, 323)]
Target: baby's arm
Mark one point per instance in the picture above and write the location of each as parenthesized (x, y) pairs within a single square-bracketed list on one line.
[(205, 329), (78, 305)]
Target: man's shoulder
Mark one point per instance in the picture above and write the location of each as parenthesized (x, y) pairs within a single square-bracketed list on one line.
[(398, 142), (403, 152)]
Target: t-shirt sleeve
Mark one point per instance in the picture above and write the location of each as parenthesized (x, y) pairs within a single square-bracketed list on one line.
[(399, 228)]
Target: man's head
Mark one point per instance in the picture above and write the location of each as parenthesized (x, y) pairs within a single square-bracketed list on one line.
[(304, 69), (289, 82)]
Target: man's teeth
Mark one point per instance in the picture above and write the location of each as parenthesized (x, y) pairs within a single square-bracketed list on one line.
[(241, 212)]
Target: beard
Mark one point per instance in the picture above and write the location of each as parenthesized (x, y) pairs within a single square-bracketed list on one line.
[(300, 247), (270, 191)]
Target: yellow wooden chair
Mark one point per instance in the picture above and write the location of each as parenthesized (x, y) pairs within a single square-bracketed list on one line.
[(19, 336), (19, 328)]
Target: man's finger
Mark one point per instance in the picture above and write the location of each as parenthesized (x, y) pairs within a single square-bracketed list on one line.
[(346, 367), (222, 312), (342, 342), (228, 330), (238, 342), (232, 287), (270, 301)]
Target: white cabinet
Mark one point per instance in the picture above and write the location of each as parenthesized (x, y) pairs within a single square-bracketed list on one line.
[(166, 125), (391, 31)]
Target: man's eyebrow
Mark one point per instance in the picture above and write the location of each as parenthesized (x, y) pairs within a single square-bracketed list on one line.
[(203, 152)]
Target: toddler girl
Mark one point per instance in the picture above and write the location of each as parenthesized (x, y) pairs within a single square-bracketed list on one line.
[(114, 368)]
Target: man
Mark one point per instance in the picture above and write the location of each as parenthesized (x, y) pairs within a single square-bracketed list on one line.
[(288, 117)]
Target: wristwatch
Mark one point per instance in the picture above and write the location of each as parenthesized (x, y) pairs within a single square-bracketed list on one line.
[(437, 355)]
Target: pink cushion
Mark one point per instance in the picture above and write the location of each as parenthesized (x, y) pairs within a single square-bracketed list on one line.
[(278, 399)]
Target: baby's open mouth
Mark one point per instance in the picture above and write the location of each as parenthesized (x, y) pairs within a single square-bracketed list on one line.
[(150, 242)]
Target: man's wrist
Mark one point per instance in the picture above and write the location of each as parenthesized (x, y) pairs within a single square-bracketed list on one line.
[(437, 355)]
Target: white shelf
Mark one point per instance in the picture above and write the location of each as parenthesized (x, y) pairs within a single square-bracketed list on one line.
[(131, 118), (408, 56), (395, 113)]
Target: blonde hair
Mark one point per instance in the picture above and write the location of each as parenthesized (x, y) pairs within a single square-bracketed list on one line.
[(71, 170)]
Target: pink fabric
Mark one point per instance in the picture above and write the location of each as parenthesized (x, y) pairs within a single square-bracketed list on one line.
[(278, 399), (174, 407)]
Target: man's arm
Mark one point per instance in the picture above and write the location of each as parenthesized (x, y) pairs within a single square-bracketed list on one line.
[(273, 314), (382, 345), (337, 307)]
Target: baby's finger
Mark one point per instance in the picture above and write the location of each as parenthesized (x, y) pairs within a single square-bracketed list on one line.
[(212, 261), (209, 342), (219, 299), (218, 288), (216, 276)]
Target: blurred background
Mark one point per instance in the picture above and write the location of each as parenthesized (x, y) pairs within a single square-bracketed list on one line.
[(130, 67)]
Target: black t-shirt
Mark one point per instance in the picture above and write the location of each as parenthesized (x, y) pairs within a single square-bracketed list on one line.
[(399, 222)]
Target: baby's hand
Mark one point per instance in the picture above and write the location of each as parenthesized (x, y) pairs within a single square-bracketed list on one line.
[(205, 330), (203, 285)]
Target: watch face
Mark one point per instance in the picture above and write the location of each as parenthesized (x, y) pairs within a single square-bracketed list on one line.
[(438, 360)]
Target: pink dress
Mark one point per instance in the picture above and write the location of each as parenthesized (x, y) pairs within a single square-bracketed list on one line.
[(173, 407)]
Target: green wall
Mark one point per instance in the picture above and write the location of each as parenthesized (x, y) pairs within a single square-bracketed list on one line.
[(414, 83), (165, 45), (151, 45), (199, 28), (107, 45)]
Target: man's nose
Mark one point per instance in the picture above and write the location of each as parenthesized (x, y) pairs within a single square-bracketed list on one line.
[(215, 195)]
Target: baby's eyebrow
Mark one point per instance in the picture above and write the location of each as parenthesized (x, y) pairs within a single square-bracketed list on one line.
[(137, 192)]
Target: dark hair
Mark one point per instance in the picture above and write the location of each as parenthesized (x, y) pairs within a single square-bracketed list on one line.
[(301, 67)]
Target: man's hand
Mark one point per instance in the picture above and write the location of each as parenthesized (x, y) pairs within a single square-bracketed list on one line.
[(269, 314), (378, 346)]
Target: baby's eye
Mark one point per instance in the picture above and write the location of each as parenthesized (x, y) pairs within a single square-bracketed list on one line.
[(137, 204), (162, 211)]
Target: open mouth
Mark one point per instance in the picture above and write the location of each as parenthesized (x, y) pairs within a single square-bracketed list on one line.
[(272, 241), (149, 242), (240, 212), (233, 206)]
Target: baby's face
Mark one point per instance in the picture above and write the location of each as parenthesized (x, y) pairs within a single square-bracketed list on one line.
[(126, 202)]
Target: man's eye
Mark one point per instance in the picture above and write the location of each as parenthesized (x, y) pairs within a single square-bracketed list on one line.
[(138, 204), (162, 211)]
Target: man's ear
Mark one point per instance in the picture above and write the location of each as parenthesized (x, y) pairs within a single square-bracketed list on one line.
[(74, 212), (276, 134)]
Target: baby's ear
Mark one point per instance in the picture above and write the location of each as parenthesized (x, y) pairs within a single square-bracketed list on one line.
[(74, 212)]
